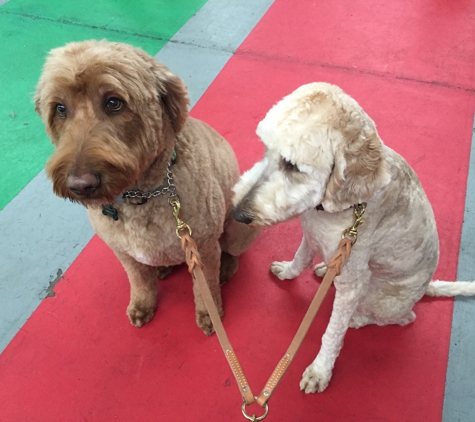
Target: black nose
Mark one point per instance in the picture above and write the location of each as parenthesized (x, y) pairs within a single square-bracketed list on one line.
[(85, 184), (242, 216)]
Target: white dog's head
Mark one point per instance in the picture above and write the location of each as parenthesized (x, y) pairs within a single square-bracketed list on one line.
[(321, 149)]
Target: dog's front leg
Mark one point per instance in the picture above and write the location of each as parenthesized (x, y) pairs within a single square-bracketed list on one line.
[(211, 261), (303, 258), (348, 294), (143, 290)]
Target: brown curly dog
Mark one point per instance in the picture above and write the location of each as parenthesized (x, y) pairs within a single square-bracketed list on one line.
[(123, 141)]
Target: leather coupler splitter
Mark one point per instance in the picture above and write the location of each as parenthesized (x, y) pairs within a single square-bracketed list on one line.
[(195, 267)]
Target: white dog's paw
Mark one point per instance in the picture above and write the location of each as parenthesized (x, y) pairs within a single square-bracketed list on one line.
[(283, 270), (358, 320), (314, 381), (320, 269), (407, 319)]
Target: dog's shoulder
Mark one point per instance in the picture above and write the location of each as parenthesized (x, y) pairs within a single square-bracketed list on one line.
[(402, 174)]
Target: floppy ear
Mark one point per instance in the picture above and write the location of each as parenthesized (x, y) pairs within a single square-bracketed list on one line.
[(41, 107), (37, 98), (173, 93), (359, 168)]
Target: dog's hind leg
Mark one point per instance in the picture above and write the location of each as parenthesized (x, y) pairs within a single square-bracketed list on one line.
[(391, 302), (359, 320), (228, 267), (162, 272), (303, 258), (320, 269)]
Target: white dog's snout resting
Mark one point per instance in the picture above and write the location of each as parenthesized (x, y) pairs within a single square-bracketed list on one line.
[(240, 215), (323, 149)]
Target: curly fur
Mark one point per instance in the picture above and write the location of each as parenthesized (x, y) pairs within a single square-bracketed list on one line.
[(323, 149), (130, 150)]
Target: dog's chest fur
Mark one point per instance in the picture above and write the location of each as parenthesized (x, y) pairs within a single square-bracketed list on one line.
[(323, 230), (147, 232)]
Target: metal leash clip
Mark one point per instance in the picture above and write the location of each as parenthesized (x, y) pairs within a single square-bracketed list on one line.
[(352, 232), (180, 224)]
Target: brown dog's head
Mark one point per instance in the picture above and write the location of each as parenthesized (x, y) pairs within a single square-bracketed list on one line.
[(321, 148), (111, 111)]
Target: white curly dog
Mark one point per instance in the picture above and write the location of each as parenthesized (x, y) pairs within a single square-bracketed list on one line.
[(323, 156)]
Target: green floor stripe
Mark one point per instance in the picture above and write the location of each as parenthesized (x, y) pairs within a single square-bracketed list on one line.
[(28, 30), (160, 19)]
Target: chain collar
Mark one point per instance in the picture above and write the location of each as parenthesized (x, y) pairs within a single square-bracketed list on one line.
[(143, 197)]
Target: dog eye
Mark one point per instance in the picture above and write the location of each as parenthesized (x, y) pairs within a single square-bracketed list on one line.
[(61, 111), (114, 105), (288, 166)]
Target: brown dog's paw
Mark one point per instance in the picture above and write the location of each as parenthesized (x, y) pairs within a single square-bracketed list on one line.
[(229, 266), (140, 315), (162, 272), (204, 321)]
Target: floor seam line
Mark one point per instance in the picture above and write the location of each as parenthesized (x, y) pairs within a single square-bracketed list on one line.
[(135, 34), (67, 22), (290, 59)]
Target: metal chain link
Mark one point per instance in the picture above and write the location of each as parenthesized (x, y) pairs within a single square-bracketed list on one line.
[(170, 188)]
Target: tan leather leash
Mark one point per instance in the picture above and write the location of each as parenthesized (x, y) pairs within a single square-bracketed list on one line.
[(195, 267)]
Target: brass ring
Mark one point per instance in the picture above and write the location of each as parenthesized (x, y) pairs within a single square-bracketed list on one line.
[(254, 418), (184, 226), (350, 236)]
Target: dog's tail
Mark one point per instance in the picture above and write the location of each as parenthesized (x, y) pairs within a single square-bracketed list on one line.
[(439, 288)]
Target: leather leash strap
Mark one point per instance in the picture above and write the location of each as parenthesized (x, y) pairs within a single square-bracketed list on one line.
[(195, 267), (333, 269)]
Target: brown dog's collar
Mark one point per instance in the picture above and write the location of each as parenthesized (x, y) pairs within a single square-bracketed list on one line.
[(138, 197)]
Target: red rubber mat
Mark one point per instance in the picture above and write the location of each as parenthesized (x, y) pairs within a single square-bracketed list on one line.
[(78, 358)]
